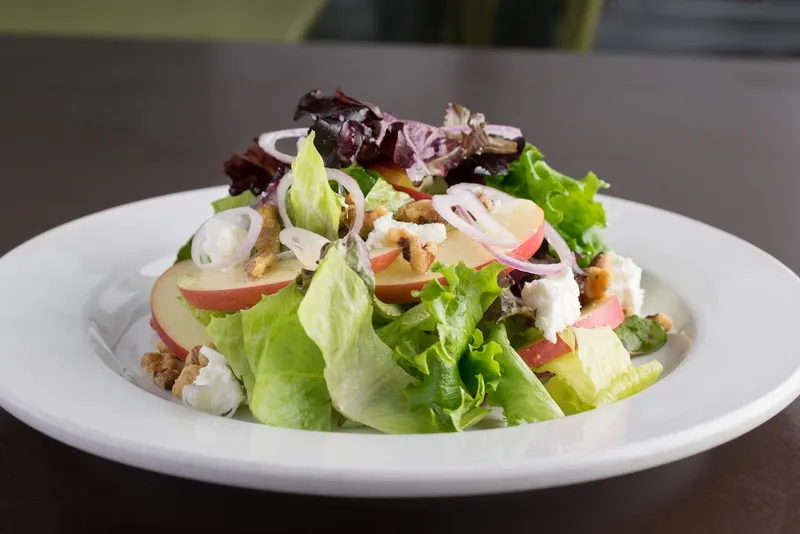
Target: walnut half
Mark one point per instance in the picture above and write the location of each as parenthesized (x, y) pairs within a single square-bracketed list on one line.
[(595, 285), (268, 243), (162, 367), (419, 212), (420, 256), (194, 362)]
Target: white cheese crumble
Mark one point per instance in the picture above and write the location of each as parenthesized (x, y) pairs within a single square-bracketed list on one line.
[(556, 300), (427, 233), (222, 239), (215, 389), (626, 283)]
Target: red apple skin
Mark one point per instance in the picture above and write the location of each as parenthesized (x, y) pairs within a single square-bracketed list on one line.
[(398, 179), (172, 321), (230, 293), (607, 312), (171, 344), (396, 284)]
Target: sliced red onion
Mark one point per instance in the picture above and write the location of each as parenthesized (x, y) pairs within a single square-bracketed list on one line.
[(267, 142), (479, 225), (565, 255), (281, 193), (356, 195), (243, 248), (495, 195), (508, 132), (520, 264), (305, 244)]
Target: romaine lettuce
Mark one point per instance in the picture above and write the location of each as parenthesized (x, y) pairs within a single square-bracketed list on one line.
[(226, 333), (597, 372), (383, 194), (365, 385), (315, 206), (289, 389)]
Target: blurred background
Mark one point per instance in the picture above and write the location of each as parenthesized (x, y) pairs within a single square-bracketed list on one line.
[(713, 27)]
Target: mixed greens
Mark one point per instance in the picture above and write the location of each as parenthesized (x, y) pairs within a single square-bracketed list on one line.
[(325, 350)]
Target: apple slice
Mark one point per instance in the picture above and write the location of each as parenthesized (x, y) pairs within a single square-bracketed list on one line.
[(232, 291), (398, 179), (174, 324), (606, 312), (522, 217)]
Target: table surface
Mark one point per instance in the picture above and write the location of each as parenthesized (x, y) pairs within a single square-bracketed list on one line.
[(85, 125)]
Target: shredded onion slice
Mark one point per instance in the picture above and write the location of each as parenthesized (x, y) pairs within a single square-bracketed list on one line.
[(495, 195), (508, 132), (268, 140), (243, 248), (565, 255), (521, 264), (305, 244), (356, 195), (479, 223), (283, 189)]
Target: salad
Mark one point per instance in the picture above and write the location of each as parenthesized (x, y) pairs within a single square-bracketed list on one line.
[(402, 276)]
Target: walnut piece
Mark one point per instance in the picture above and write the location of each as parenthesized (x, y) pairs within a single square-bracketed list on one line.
[(268, 243), (194, 362), (662, 319), (602, 261), (485, 201), (595, 285), (419, 212), (370, 217), (162, 367), (420, 257)]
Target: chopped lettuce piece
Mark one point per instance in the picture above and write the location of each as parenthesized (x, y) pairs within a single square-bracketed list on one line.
[(289, 389), (455, 309), (510, 383), (203, 316), (315, 206), (366, 178), (383, 312), (226, 333), (383, 194), (365, 385), (568, 204), (640, 335), (230, 202), (597, 372)]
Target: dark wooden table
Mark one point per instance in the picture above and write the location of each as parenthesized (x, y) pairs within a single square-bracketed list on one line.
[(88, 125)]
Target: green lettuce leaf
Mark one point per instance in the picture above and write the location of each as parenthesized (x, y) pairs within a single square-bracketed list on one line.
[(230, 202), (225, 203), (568, 204), (455, 310), (366, 178), (289, 389), (383, 194), (640, 335), (599, 371), (203, 316), (365, 385), (315, 206), (510, 383), (226, 333)]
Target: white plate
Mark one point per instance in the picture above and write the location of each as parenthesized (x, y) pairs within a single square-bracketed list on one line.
[(73, 320)]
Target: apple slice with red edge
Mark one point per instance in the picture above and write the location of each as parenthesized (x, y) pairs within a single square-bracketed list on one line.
[(606, 312), (232, 291), (172, 321), (398, 179), (524, 218)]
